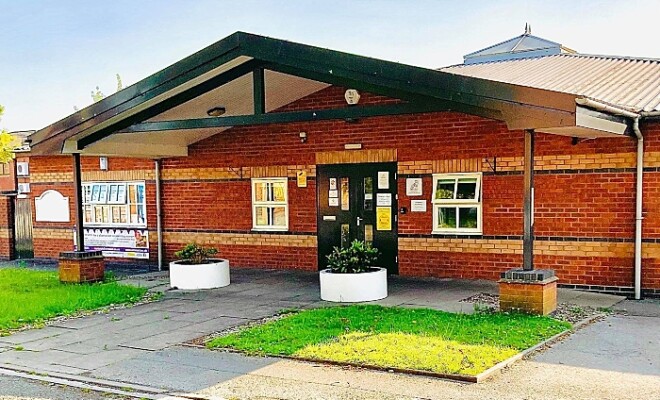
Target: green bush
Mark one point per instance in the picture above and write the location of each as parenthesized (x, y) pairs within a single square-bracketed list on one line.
[(196, 254), (358, 257)]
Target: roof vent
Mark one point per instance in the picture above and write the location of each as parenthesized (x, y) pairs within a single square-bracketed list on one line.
[(523, 46)]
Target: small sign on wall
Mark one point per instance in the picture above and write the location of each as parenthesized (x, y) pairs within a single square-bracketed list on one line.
[(418, 206), (301, 176), (383, 180), (383, 199), (413, 186), (51, 206), (383, 218)]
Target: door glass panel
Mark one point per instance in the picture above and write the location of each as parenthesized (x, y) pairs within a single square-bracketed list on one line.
[(345, 196), (467, 188), (369, 233), (445, 189), (446, 217), (345, 235), (368, 193), (467, 217)]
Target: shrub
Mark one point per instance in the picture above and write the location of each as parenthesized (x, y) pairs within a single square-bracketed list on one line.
[(358, 257), (195, 254)]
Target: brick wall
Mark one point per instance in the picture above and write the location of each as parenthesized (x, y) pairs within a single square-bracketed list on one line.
[(584, 193)]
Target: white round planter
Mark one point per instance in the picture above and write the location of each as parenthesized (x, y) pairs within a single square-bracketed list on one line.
[(199, 276), (353, 288)]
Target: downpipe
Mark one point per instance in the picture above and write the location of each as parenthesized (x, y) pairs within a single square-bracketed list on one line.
[(638, 208), (159, 214), (639, 189)]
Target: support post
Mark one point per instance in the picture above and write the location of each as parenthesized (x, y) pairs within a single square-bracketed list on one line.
[(528, 206), (80, 266), (259, 89), (159, 214), (78, 198), (526, 289)]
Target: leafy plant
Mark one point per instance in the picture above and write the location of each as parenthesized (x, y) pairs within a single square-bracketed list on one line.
[(358, 257), (196, 254)]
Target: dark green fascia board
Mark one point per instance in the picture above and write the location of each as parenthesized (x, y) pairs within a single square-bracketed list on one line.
[(351, 112), (171, 102), (160, 82), (402, 77)]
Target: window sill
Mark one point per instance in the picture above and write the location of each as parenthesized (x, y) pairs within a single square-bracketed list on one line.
[(456, 232), (270, 229)]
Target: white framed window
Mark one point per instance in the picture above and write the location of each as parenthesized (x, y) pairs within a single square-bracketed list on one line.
[(457, 203), (270, 206), (115, 204)]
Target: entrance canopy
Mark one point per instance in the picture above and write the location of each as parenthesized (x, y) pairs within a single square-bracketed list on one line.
[(247, 78)]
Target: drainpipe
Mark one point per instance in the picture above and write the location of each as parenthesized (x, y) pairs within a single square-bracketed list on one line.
[(639, 189), (159, 215), (638, 209)]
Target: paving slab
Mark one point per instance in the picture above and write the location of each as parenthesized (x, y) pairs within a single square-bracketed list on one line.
[(642, 308), (621, 344)]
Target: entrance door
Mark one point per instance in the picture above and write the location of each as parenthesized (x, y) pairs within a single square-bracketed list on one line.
[(358, 201), (23, 247)]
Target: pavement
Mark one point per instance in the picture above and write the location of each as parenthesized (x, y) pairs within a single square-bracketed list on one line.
[(140, 348)]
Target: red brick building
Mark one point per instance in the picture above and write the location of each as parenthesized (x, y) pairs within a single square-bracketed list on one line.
[(428, 165)]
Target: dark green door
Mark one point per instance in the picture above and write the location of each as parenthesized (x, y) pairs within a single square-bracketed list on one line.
[(358, 201)]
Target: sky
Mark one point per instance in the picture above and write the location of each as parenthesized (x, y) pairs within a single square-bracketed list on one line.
[(54, 53)]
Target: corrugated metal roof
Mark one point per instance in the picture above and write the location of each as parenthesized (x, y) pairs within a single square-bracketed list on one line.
[(625, 82)]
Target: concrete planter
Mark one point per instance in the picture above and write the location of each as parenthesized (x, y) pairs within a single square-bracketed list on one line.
[(353, 288), (199, 276)]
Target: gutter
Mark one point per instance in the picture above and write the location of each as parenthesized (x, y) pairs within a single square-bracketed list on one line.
[(639, 191)]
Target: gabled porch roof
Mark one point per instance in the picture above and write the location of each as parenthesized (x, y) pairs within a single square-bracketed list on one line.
[(252, 76)]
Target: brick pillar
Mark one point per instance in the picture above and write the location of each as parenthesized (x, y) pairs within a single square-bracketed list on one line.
[(528, 295), (81, 266)]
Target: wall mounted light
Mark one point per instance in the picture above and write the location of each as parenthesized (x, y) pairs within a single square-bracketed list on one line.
[(216, 111), (303, 137)]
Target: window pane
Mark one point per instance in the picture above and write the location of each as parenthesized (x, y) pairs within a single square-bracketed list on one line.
[(444, 189), (279, 189), (446, 217), (345, 239), (279, 216), (345, 199), (467, 217), (260, 191), (261, 216), (368, 193), (368, 233), (467, 188)]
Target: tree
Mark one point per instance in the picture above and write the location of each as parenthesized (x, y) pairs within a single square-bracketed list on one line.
[(97, 94), (7, 143)]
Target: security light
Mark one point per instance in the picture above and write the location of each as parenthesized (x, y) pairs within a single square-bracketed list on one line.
[(216, 111)]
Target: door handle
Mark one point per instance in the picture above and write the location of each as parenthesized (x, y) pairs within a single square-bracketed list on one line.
[(359, 220)]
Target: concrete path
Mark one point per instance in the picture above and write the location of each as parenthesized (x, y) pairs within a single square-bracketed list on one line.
[(141, 345)]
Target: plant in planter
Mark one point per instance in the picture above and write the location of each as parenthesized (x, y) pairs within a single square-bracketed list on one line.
[(197, 270), (352, 276)]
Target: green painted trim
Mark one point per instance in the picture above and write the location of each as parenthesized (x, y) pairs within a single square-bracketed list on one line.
[(287, 117), (259, 90)]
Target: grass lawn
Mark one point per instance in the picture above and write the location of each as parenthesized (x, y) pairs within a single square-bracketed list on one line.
[(31, 297), (393, 337)]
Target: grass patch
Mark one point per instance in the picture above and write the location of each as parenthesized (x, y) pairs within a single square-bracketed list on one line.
[(32, 297), (393, 337)]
